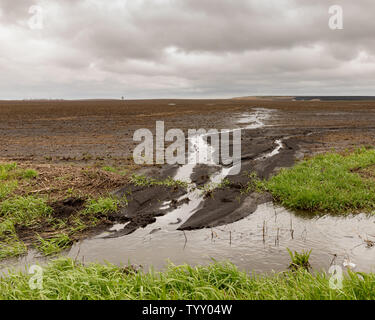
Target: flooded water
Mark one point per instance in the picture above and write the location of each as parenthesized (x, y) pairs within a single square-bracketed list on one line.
[(257, 243)]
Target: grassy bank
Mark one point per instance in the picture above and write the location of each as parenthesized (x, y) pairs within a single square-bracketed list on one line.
[(66, 279), (50, 208), (330, 182)]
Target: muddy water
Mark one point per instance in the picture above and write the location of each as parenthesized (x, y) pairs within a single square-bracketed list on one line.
[(257, 243), (243, 243)]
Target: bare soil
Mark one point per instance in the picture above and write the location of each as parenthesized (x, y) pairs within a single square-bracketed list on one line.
[(77, 134), (102, 130)]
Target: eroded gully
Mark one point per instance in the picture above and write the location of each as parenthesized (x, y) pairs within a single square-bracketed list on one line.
[(256, 242)]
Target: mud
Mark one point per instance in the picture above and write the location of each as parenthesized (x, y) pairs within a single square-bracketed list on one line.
[(145, 204), (230, 204), (66, 208), (266, 147), (273, 139), (102, 130)]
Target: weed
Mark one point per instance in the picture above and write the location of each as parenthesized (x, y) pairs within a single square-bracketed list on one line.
[(54, 245), (6, 188), (141, 180), (254, 184), (102, 206), (110, 169), (11, 247), (10, 171), (299, 260), (29, 174), (24, 210)]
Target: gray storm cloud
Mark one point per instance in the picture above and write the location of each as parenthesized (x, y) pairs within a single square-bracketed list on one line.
[(185, 48)]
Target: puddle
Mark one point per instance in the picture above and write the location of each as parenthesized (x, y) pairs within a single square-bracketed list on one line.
[(243, 243), (254, 120)]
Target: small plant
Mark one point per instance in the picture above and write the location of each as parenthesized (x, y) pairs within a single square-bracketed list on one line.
[(10, 171), (29, 174), (69, 192), (24, 210), (11, 247), (110, 169), (299, 260), (254, 184), (224, 183), (54, 245), (102, 206), (5, 170), (6, 188), (143, 181)]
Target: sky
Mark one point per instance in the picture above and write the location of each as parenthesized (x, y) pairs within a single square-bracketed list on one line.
[(78, 49)]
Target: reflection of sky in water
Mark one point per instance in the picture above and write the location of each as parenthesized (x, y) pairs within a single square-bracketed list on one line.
[(242, 242)]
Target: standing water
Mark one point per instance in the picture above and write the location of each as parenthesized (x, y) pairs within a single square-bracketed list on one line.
[(257, 243)]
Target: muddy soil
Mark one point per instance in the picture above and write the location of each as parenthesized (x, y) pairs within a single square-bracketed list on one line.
[(102, 131), (229, 204), (145, 206)]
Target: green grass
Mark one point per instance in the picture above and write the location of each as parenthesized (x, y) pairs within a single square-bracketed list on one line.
[(21, 211), (143, 181), (6, 188), (24, 210), (54, 245), (6, 169), (299, 260), (11, 246), (31, 218), (29, 174), (326, 183), (66, 279), (115, 170), (32, 212), (103, 205), (10, 171), (9, 174)]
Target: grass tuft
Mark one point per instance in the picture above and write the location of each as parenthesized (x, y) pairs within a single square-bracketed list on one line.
[(10, 171), (54, 245), (327, 183), (66, 279), (299, 260), (143, 181), (6, 188), (102, 206), (24, 210)]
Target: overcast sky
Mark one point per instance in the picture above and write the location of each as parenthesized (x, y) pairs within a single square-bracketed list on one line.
[(184, 48)]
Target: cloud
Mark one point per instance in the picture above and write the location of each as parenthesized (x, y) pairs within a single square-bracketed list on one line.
[(185, 48)]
